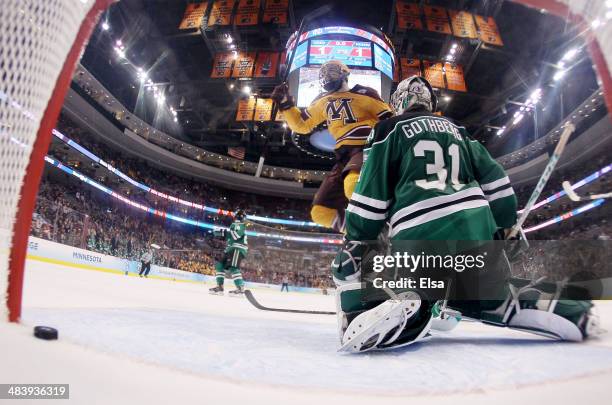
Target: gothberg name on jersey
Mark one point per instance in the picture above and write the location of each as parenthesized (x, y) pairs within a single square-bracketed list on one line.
[(415, 127)]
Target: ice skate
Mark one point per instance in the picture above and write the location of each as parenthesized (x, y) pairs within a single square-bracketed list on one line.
[(238, 292), (218, 290)]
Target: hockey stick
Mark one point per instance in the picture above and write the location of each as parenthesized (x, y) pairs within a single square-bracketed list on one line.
[(567, 187), (548, 170), (249, 295)]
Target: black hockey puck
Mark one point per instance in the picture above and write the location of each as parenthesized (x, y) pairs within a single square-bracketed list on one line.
[(45, 332)]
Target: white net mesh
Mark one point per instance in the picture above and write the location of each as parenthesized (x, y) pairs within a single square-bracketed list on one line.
[(35, 38)]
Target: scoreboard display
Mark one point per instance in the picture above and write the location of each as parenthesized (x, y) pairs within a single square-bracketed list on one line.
[(352, 53)]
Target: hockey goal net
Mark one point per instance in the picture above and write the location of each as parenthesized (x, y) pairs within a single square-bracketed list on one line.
[(40, 43)]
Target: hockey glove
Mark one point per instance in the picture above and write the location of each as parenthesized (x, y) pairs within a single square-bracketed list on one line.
[(281, 97), (346, 267)]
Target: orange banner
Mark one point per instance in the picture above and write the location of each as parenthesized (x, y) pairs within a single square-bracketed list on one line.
[(276, 11), (266, 64), (437, 19), (454, 77), (410, 67), (408, 16), (244, 65), (246, 109), (263, 109), (221, 12), (434, 73), (463, 24), (487, 31), (222, 65), (247, 13), (194, 13)]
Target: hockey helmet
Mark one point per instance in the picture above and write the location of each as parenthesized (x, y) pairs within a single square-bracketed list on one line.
[(411, 92), (239, 215), (332, 74)]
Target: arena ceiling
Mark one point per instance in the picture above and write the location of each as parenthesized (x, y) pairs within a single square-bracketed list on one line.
[(499, 79)]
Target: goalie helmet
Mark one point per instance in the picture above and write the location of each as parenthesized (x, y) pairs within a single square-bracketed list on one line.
[(332, 74), (411, 92), (239, 215)]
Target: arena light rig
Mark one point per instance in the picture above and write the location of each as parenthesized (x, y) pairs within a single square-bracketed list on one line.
[(206, 225)]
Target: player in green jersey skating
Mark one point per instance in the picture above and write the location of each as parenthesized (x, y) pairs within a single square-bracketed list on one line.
[(429, 181), (235, 250)]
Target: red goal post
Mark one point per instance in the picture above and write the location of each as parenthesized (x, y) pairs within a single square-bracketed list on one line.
[(40, 44)]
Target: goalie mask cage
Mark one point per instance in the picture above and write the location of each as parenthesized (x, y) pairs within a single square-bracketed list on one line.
[(40, 44)]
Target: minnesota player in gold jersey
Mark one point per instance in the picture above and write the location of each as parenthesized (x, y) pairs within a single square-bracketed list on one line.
[(350, 114)]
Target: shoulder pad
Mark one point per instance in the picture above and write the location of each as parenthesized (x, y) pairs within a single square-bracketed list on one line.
[(366, 91)]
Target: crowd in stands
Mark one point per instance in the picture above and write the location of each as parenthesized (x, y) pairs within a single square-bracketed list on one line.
[(70, 214)]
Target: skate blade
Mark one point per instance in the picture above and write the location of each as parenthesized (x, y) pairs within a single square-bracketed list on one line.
[(215, 293), (236, 295)]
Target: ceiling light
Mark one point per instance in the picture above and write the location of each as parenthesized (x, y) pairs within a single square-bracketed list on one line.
[(453, 50), (447, 98), (229, 39), (517, 119), (569, 55), (105, 26), (231, 86), (119, 43), (559, 75), (120, 52), (246, 89), (454, 46), (595, 23)]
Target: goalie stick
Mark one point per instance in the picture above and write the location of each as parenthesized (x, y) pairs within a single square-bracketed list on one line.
[(249, 295), (548, 170), (567, 187)]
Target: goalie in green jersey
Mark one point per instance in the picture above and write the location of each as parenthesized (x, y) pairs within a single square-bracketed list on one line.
[(429, 181), (235, 250)]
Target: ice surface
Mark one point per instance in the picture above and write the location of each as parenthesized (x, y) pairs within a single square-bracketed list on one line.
[(179, 326)]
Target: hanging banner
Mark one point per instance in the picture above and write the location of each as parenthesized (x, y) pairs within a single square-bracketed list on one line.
[(410, 67), (434, 73), (246, 109), (222, 65), (221, 13), (247, 13), (408, 16), (454, 77), (437, 20), (243, 67), (463, 24), (266, 64), (263, 109), (276, 11), (487, 30), (194, 13)]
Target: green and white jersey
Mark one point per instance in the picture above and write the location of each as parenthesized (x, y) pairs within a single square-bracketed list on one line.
[(236, 238), (430, 181)]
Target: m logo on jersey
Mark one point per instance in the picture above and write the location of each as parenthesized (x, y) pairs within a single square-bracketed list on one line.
[(340, 109)]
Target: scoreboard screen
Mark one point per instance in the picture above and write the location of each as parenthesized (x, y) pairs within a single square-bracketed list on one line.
[(383, 62), (309, 86), (352, 53), (299, 59)]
